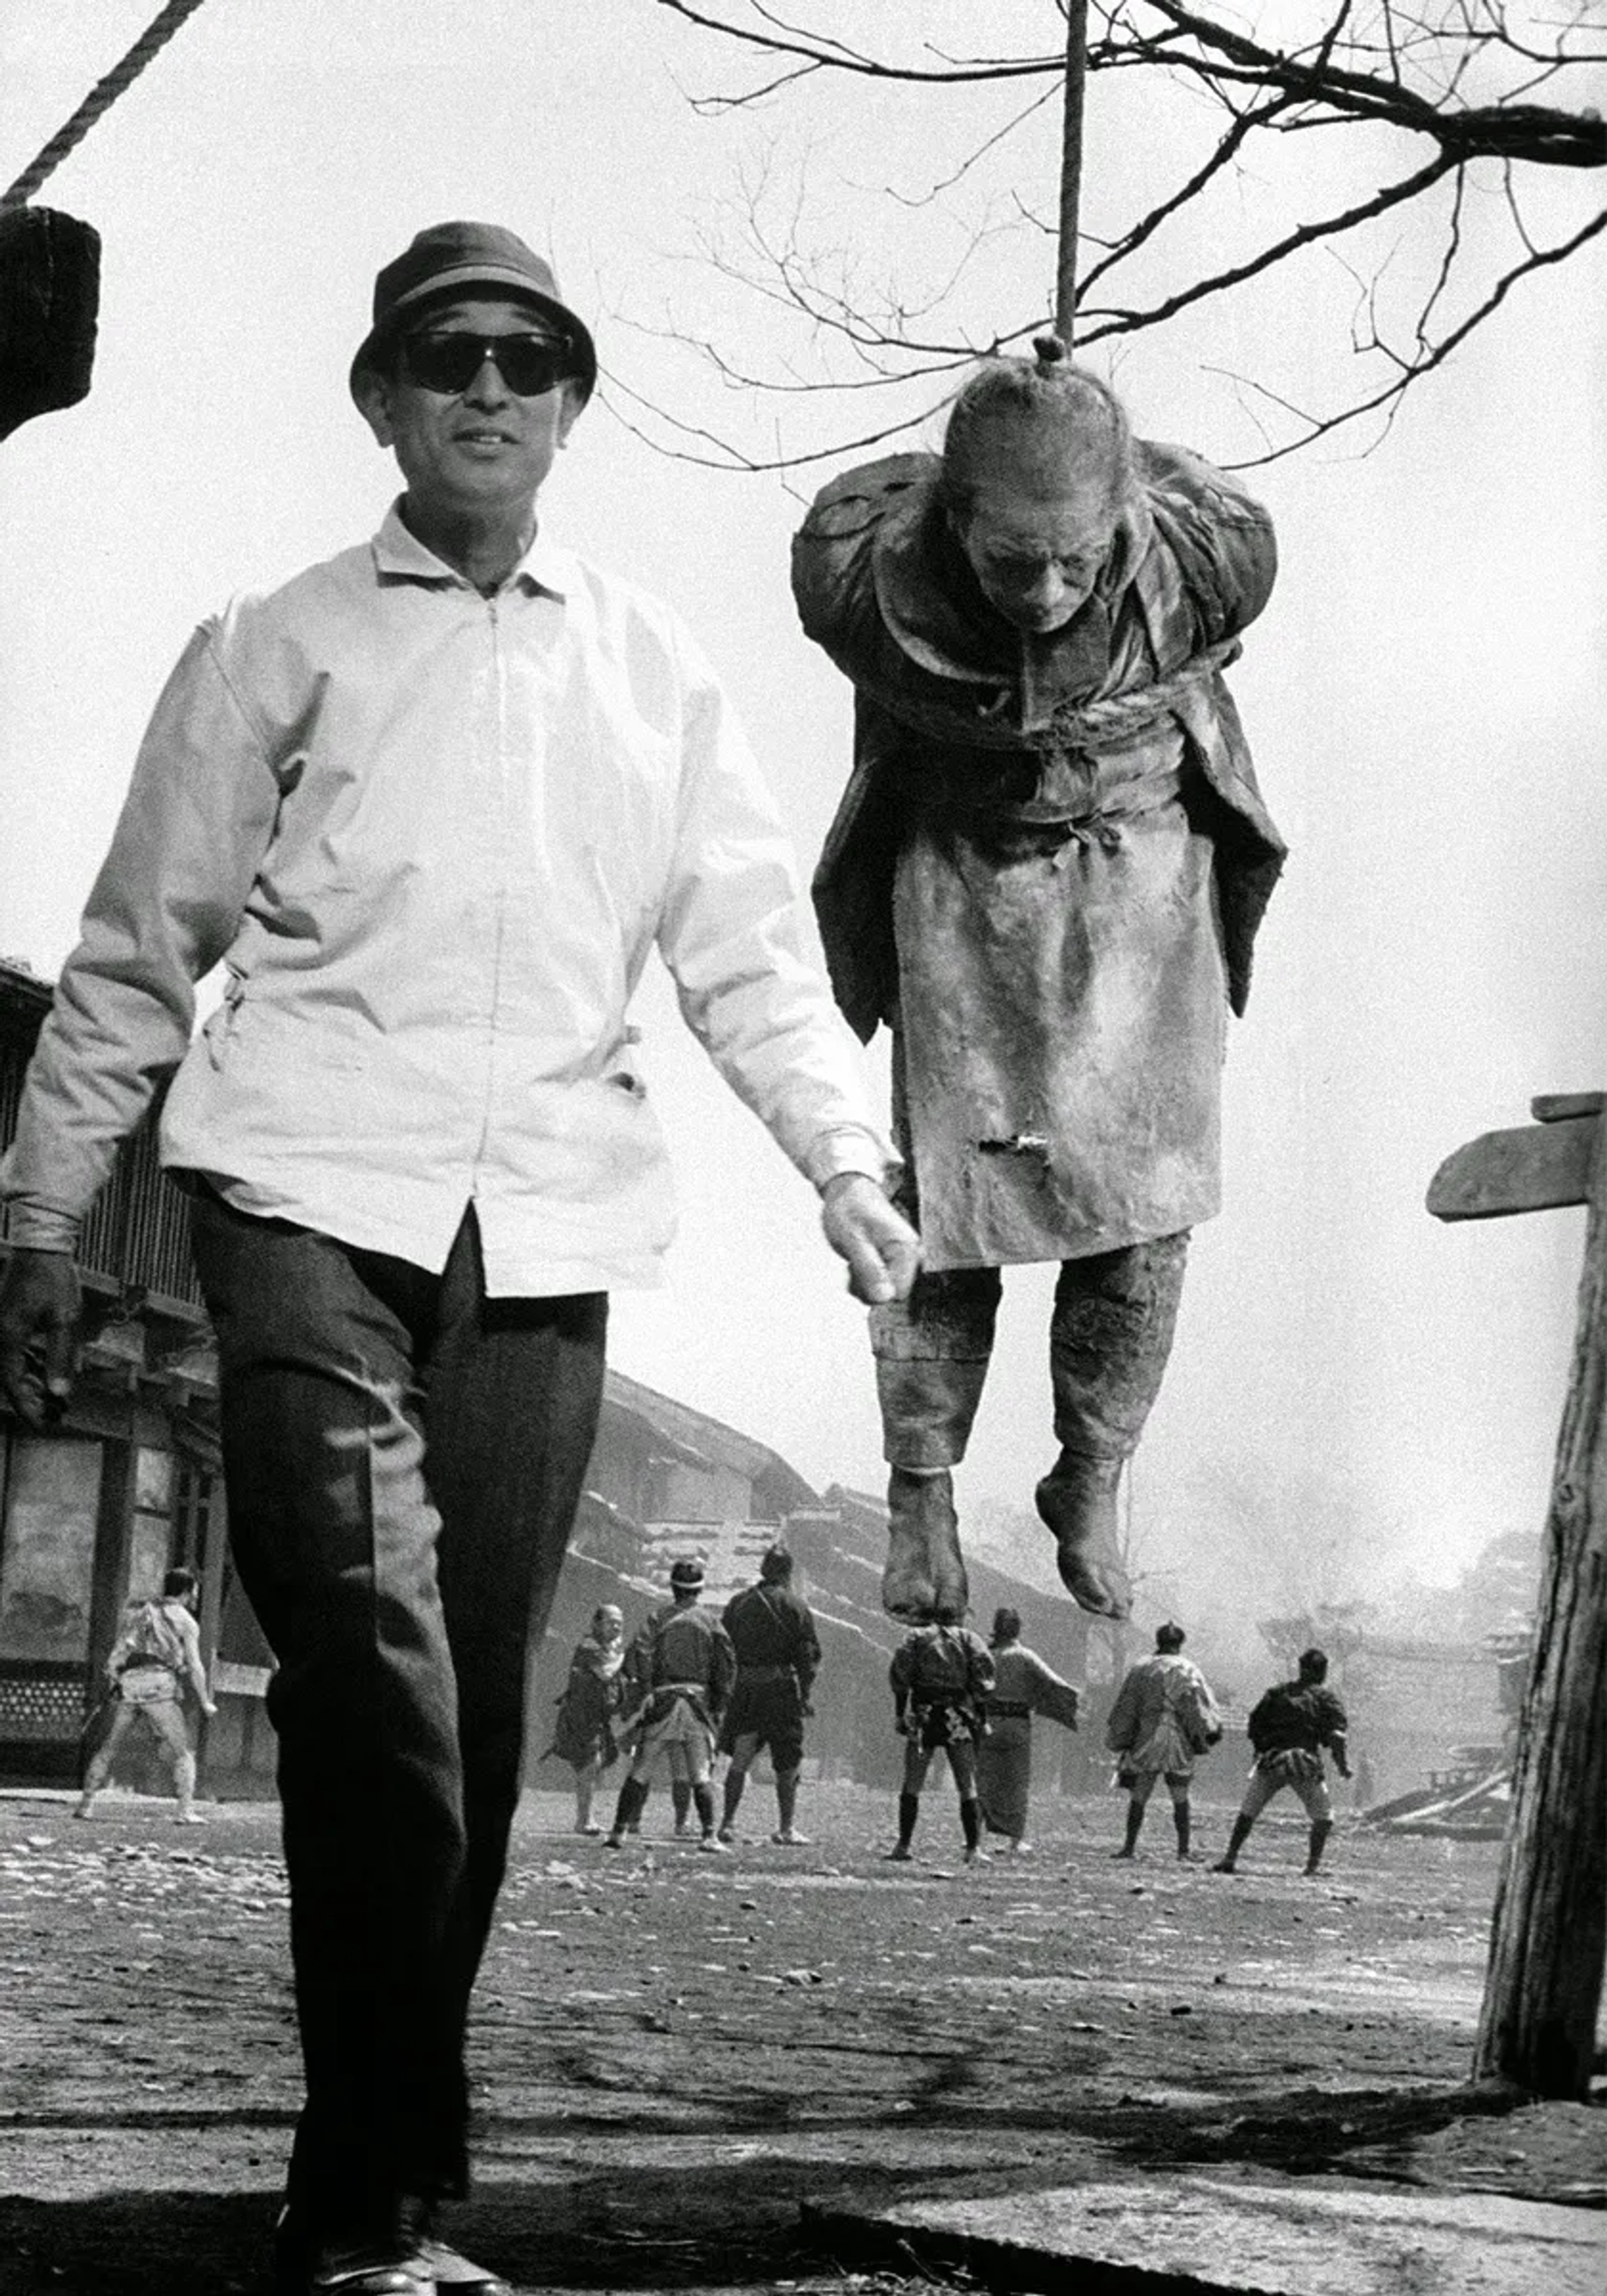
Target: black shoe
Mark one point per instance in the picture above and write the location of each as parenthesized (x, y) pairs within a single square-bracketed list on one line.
[(356, 2263), (446, 2269)]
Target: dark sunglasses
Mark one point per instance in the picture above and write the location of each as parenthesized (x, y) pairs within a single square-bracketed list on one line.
[(449, 361)]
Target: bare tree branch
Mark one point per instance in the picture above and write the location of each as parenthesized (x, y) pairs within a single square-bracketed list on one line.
[(1465, 74), (1307, 234), (1434, 356)]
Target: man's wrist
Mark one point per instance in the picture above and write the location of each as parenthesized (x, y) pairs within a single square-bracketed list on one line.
[(849, 1153)]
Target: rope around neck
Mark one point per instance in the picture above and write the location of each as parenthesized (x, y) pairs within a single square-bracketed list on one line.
[(100, 99)]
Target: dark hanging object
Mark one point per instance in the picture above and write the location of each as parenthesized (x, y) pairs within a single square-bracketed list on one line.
[(50, 286)]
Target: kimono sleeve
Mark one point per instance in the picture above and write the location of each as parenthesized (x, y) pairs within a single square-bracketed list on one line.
[(1052, 1696)]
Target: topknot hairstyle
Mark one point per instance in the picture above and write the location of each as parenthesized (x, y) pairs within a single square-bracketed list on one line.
[(1055, 407)]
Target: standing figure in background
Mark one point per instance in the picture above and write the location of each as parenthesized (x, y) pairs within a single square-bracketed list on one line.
[(678, 1671), (1044, 878), (584, 1736), (1163, 1719), (1288, 1727), (433, 805), (772, 1631), (155, 1659), (1023, 1685), (941, 1675)]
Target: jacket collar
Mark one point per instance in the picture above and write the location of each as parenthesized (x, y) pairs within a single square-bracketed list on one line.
[(399, 555)]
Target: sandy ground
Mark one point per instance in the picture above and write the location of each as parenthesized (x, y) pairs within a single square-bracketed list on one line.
[(675, 2051)]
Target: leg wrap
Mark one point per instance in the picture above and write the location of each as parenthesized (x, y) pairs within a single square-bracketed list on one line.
[(632, 1802), (931, 1353), (1110, 1337)]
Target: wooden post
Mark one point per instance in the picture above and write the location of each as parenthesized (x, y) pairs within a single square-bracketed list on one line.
[(1071, 169), (1548, 1939)]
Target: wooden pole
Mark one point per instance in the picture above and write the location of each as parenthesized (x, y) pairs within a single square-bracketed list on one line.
[(1548, 1939), (1071, 168)]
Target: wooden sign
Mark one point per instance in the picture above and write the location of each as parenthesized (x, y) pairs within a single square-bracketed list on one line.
[(1548, 1937)]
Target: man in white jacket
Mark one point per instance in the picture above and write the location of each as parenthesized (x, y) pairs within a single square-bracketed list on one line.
[(433, 803)]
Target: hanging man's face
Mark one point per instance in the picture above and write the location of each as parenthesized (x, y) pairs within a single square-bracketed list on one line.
[(1037, 548), (474, 436)]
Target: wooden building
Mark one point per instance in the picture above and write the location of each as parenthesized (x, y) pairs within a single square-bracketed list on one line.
[(96, 1509)]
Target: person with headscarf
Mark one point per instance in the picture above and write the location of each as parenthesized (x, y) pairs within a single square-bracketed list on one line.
[(584, 1736), (1024, 1685), (1044, 878), (1164, 1719)]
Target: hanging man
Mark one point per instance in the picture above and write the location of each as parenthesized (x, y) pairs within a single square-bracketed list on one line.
[(433, 804), (1044, 878)]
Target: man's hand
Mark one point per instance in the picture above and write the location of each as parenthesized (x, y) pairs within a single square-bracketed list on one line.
[(883, 1251), (39, 1310)]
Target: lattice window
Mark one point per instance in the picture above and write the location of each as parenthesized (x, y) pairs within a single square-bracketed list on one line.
[(41, 1704)]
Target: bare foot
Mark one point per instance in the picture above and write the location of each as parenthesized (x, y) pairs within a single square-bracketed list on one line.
[(906, 1588), (1092, 1585), (924, 1577), (1077, 1498)]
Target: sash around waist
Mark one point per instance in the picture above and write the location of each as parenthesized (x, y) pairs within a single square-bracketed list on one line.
[(938, 787)]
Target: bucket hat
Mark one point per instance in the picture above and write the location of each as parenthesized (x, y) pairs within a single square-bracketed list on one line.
[(463, 258)]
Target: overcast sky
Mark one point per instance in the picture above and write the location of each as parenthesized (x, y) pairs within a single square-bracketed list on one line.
[(1425, 695)]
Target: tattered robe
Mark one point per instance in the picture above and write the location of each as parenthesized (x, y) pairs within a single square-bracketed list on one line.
[(1049, 865), (1163, 1712)]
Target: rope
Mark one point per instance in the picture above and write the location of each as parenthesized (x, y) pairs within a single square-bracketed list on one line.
[(1089, 725), (100, 99)]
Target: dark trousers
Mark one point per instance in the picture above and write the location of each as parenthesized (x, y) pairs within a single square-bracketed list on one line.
[(402, 1459)]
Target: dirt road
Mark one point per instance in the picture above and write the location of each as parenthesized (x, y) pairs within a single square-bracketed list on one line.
[(673, 2050)]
